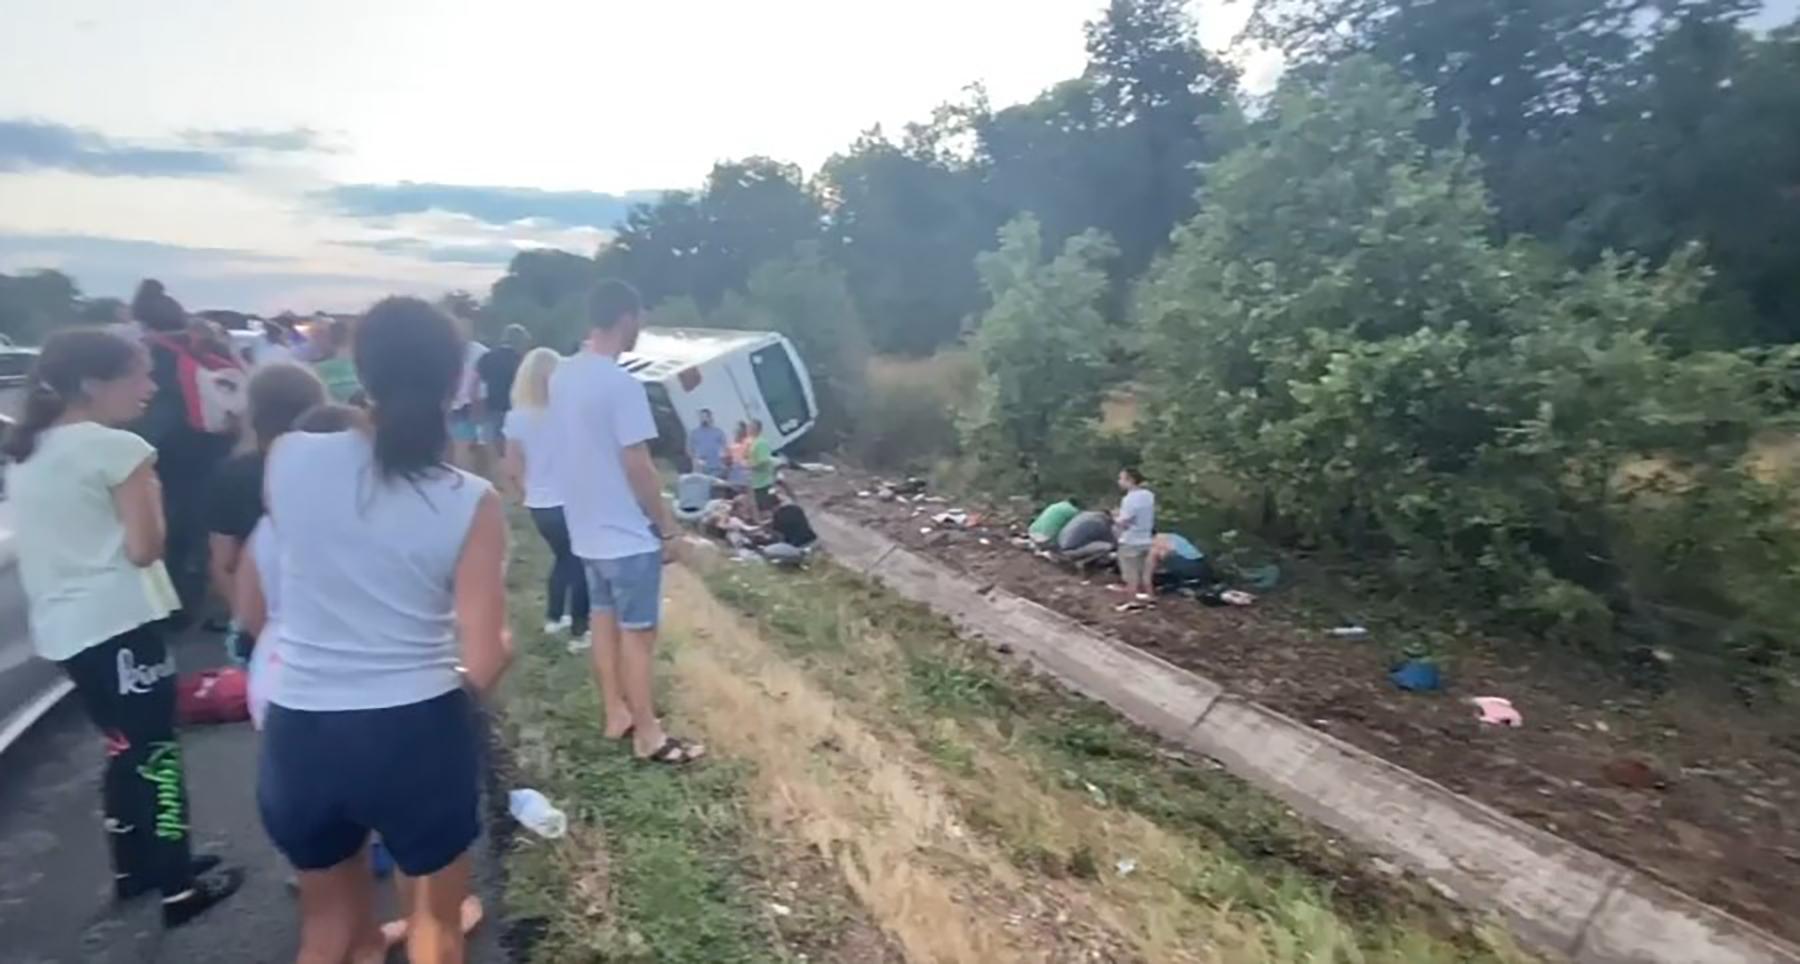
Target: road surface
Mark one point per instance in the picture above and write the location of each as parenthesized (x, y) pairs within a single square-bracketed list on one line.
[(56, 903)]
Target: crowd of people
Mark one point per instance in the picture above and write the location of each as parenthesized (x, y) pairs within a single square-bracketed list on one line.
[(322, 486), (1148, 561)]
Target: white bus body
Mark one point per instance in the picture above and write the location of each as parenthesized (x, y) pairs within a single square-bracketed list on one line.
[(739, 375)]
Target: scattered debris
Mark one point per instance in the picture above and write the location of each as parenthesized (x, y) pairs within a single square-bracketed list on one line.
[(816, 467), (780, 909), (1602, 727), (1095, 792), (534, 812), (1416, 675), (1004, 649), (1236, 597), (1633, 774), (1348, 632), (1497, 711), (926, 530), (1126, 866), (955, 517)]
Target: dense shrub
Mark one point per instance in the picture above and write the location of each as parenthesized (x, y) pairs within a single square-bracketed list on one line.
[(1042, 349), (1338, 330)]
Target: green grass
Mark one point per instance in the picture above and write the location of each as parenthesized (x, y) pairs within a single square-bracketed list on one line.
[(1262, 856), (676, 877)]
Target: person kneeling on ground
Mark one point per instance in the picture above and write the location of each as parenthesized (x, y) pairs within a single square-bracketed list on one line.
[(1176, 563), (792, 532), (1087, 538), (1050, 522)]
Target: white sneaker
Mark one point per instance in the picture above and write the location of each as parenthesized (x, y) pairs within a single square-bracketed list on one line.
[(580, 644), (555, 626)]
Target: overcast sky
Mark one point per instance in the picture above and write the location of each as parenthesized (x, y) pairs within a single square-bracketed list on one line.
[(319, 155)]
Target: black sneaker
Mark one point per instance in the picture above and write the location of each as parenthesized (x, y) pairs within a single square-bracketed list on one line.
[(205, 892), (131, 888)]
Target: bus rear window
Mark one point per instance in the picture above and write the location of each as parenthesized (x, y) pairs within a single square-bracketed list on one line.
[(781, 389)]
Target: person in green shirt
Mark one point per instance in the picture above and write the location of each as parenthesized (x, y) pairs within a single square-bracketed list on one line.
[(335, 368), (762, 469), (1050, 522)]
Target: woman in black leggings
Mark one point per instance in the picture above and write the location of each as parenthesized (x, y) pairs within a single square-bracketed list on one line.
[(90, 529)]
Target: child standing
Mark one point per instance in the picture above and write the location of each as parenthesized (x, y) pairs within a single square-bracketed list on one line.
[(91, 538)]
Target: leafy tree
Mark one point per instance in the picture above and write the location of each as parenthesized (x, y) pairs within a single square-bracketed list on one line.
[(100, 311), (905, 223), (808, 299), (1042, 352), (704, 245), (544, 290), (1338, 330), (33, 303)]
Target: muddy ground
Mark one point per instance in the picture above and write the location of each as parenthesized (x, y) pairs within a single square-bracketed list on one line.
[(1695, 791)]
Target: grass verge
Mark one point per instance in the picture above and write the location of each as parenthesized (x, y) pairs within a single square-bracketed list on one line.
[(1182, 860), (657, 865)]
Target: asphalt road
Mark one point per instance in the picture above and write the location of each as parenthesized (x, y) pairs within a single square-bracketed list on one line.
[(56, 903)]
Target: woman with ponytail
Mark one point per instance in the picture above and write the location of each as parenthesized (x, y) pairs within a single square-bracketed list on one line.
[(89, 524), (393, 614)]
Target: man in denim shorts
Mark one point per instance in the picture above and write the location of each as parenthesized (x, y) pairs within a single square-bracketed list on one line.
[(619, 524)]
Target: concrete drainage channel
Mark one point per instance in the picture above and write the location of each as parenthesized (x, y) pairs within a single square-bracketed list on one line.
[(1558, 898)]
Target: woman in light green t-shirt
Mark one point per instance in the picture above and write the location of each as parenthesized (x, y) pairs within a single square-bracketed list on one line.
[(336, 369), (89, 523)]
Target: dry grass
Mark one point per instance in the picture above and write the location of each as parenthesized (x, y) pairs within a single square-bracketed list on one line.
[(873, 810), (961, 843)]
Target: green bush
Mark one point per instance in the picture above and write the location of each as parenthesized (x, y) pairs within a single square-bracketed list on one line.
[(1042, 348), (1338, 330)]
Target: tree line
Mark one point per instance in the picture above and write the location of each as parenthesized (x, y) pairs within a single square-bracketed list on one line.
[(1500, 299)]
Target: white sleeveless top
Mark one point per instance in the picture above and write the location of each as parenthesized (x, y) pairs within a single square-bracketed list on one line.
[(367, 570)]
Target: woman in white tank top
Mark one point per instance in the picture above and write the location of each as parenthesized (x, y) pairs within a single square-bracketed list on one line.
[(393, 610)]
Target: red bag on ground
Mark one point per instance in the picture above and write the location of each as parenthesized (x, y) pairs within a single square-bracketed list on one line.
[(213, 696)]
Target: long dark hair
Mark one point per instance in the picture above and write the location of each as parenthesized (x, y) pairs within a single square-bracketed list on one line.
[(68, 358), (409, 358)]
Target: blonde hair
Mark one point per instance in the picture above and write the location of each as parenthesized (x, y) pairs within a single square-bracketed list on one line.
[(531, 384)]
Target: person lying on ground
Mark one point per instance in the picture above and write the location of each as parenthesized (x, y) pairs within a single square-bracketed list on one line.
[(1175, 562), (722, 521), (1086, 538), (1049, 523)]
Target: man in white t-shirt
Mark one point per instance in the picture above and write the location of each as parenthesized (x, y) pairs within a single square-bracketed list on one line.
[(1136, 527), (619, 524)]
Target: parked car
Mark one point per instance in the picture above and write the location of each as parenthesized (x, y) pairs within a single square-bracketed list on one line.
[(739, 375), (15, 365), (29, 686)]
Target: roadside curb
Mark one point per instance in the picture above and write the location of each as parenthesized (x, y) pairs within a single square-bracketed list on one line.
[(1557, 897)]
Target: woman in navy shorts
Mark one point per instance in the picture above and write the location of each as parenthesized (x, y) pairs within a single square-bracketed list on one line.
[(389, 556)]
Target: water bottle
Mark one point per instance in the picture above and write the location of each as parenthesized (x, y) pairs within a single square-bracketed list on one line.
[(533, 810)]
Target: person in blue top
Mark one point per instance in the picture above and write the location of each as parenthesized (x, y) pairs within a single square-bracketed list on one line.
[(1176, 562), (706, 446)]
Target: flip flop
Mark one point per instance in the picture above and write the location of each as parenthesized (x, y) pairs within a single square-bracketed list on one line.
[(675, 752), (393, 933)]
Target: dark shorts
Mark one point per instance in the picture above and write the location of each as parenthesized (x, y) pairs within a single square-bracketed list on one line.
[(410, 773)]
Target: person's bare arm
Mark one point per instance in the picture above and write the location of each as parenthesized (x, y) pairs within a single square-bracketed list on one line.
[(646, 487), (480, 590), (223, 553), (513, 465), (138, 500), (248, 606)]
